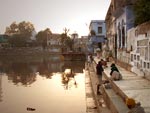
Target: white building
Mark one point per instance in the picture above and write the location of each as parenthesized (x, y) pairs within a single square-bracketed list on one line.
[(139, 39), (98, 39), (54, 42), (99, 27)]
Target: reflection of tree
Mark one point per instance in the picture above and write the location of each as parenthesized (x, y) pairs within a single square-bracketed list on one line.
[(21, 72), (44, 69), (68, 80)]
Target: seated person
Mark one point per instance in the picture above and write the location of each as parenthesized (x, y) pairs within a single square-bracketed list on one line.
[(115, 74)]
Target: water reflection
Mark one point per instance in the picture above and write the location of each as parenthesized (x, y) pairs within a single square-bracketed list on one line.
[(40, 83), (0, 88), (28, 71), (25, 72), (68, 78)]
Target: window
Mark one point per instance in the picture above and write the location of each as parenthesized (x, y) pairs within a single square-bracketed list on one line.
[(119, 35), (99, 29), (131, 57), (134, 57), (138, 58), (123, 33), (148, 66), (144, 64)]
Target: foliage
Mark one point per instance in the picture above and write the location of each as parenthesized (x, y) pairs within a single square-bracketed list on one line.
[(42, 36), (66, 30), (66, 40), (92, 32), (64, 36), (17, 41), (142, 11), (19, 33), (23, 28), (69, 42)]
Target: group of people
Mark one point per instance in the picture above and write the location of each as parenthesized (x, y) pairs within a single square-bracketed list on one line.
[(115, 74)]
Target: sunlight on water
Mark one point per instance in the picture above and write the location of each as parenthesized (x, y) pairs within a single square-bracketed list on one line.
[(38, 84), (45, 95)]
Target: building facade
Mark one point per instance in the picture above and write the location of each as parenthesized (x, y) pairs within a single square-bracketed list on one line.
[(140, 49), (119, 19), (130, 45), (97, 38), (54, 42), (80, 44)]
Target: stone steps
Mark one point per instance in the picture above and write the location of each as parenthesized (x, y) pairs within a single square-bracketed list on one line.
[(114, 101), (113, 97), (99, 101)]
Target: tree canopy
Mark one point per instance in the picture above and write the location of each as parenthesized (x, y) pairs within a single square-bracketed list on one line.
[(20, 33), (64, 36), (42, 36), (142, 11), (22, 28), (66, 40)]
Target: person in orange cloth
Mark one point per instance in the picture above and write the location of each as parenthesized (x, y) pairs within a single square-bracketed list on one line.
[(130, 102)]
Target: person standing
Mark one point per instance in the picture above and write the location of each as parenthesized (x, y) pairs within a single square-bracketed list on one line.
[(90, 59), (99, 71)]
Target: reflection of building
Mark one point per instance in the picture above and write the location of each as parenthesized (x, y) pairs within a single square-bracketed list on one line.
[(0, 88)]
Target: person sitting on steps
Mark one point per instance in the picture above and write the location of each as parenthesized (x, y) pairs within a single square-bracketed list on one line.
[(115, 74)]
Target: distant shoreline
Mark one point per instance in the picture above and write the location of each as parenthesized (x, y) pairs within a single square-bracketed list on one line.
[(26, 52)]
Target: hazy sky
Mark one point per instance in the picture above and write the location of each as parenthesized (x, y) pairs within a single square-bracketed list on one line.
[(54, 14)]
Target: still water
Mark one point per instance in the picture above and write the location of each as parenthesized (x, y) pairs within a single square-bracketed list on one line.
[(38, 83)]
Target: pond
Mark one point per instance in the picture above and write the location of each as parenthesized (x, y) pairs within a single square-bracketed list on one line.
[(38, 85)]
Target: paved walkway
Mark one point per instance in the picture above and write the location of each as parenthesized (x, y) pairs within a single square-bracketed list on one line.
[(91, 106), (131, 86), (95, 103)]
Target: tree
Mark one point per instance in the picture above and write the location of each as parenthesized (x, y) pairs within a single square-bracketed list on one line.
[(66, 40), (17, 41), (66, 30), (69, 43), (26, 29), (92, 32), (23, 28), (42, 37), (20, 33), (64, 36), (142, 11)]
